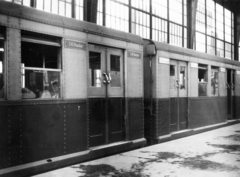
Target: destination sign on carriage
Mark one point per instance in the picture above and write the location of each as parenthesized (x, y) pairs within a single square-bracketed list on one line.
[(134, 55), (163, 60), (75, 45)]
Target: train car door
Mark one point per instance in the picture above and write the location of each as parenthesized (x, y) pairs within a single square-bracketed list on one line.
[(178, 95), (230, 92), (106, 103)]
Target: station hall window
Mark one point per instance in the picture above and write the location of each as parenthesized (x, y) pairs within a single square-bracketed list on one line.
[(41, 66), (214, 29), (61, 7), (21, 2), (202, 80), (214, 81)]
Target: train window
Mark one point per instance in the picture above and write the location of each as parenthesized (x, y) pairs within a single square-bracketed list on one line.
[(115, 71), (95, 69), (41, 69), (172, 76), (1, 68), (202, 77), (214, 81), (182, 77)]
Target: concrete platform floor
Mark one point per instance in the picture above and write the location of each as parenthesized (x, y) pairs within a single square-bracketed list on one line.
[(209, 154)]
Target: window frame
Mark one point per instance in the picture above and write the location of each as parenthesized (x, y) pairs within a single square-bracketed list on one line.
[(205, 81), (45, 42)]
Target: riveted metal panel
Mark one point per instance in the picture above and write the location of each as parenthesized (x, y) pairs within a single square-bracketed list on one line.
[(154, 77), (75, 34), (35, 132), (176, 56), (116, 122), (237, 83), (113, 42), (75, 73), (135, 116), (13, 64), (13, 22), (3, 20), (41, 28), (174, 114), (207, 111), (75, 123), (43, 132), (183, 114), (164, 111), (97, 113), (236, 107), (134, 77), (5, 132), (163, 80), (193, 82)]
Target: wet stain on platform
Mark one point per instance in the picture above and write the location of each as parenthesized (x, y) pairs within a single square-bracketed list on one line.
[(202, 164), (136, 170), (108, 170), (235, 137), (229, 147), (167, 155)]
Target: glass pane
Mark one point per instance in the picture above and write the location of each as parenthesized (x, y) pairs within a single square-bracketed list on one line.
[(68, 10), (115, 71), (61, 8), (95, 72), (1, 69), (39, 56), (47, 6), (40, 84), (182, 77), (202, 77), (26, 3), (214, 83), (39, 4), (55, 6), (172, 76)]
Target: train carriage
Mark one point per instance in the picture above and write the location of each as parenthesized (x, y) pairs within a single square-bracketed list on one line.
[(70, 91), (185, 89)]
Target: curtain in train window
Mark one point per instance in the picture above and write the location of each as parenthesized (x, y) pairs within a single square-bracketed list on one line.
[(1, 68), (41, 70), (202, 78), (214, 81)]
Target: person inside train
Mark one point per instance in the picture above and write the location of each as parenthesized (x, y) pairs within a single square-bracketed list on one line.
[(27, 94), (55, 88), (45, 93)]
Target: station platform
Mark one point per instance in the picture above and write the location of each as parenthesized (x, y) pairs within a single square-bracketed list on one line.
[(212, 153)]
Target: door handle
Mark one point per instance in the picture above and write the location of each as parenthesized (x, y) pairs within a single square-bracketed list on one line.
[(105, 81), (107, 78), (227, 86)]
